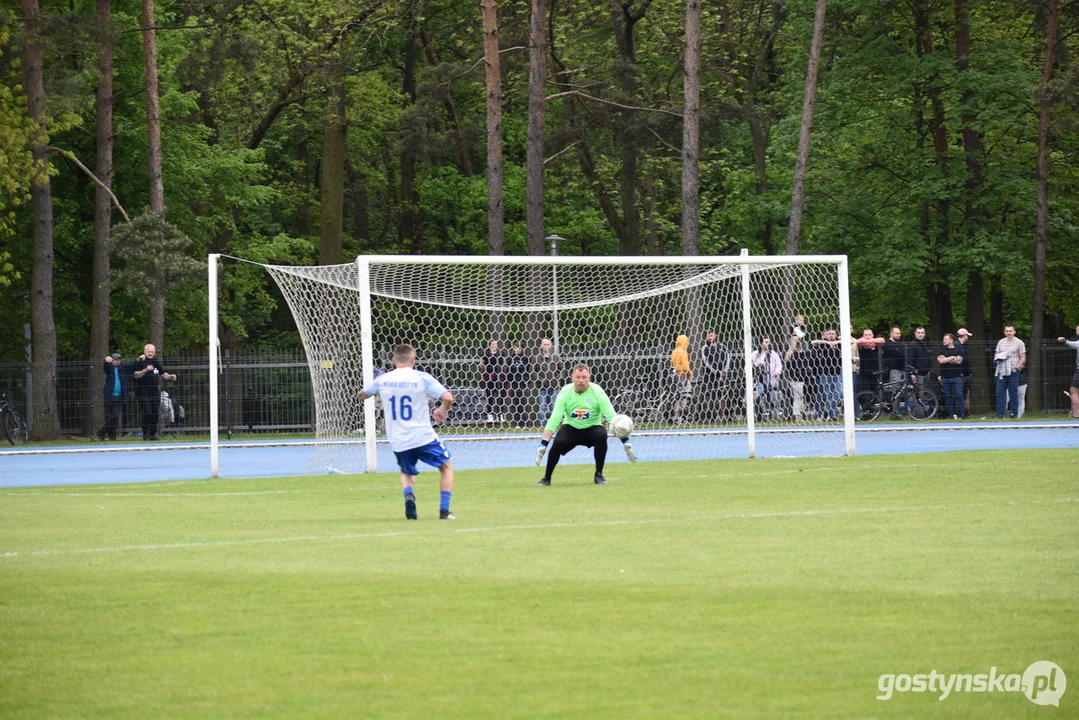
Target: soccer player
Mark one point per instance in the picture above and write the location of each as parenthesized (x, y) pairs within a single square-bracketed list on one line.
[(404, 392), (582, 405)]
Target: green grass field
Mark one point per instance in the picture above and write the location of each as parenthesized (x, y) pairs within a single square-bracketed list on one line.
[(765, 588)]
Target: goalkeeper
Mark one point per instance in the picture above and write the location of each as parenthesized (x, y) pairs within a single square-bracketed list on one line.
[(582, 405)]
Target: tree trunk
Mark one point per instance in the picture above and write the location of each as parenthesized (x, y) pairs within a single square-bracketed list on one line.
[(46, 425), (99, 311), (361, 227), (410, 242), (794, 229), (624, 22), (537, 111), (302, 181), (1041, 233), (691, 133), (464, 153), (496, 238), (972, 152), (653, 241), (759, 138), (332, 191), (157, 183)]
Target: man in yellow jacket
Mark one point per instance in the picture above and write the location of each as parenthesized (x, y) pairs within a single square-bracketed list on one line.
[(683, 378)]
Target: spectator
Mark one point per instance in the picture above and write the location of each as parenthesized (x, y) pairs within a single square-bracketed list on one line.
[(951, 376), (715, 363), (147, 390), (855, 359), (918, 358), (968, 372), (117, 382), (767, 368), (1022, 393), (493, 369), (518, 373), (869, 360), (547, 376), (797, 364), (828, 360), (1010, 357), (1074, 390), (895, 356), (683, 377)]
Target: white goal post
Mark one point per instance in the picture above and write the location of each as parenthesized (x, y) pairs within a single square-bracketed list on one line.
[(502, 333)]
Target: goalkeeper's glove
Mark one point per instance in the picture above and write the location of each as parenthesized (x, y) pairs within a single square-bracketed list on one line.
[(542, 450), (628, 447)]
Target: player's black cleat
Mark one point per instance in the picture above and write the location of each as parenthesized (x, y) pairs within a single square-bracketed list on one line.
[(410, 507), (544, 482), (446, 515), (600, 480)]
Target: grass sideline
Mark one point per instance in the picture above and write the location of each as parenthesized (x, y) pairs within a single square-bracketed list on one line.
[(734, 588)]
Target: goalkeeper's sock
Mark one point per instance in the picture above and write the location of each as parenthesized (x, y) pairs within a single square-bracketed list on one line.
[(444, 500)]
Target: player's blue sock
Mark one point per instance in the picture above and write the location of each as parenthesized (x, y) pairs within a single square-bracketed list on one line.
[(409, 491), (444, 502)]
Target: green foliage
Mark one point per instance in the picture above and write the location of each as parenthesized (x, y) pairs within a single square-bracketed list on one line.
[(242, 110), (149, 256)]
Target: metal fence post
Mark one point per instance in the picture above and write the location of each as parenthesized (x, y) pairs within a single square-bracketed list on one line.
[(1045, 378), (228, 398), (90, 392)]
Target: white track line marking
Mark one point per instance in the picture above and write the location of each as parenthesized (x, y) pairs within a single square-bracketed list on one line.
[(150, 494), (537, 526)]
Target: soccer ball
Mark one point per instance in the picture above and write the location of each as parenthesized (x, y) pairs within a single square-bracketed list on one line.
[(621, 426)]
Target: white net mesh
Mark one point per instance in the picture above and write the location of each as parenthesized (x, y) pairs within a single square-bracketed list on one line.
[(621, 319)]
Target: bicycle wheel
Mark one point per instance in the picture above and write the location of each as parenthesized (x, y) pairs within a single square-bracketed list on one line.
[(15, 428), (867, 406), (924, 405)]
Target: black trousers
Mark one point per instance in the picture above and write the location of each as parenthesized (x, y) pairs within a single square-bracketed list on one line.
[(150, 406), (114, 410), (569, 437)]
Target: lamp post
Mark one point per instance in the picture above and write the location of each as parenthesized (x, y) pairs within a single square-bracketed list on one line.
[(554, 240)]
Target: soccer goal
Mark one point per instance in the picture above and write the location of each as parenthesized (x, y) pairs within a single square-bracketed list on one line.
[(487, 328)]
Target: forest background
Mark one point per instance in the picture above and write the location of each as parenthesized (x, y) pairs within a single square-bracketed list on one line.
[(934, 142)]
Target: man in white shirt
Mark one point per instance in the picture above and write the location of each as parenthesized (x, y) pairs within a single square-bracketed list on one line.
[(1010, 357), (404, 392)]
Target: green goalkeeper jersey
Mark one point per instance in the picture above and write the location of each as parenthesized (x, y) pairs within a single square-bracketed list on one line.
[(580, 410)]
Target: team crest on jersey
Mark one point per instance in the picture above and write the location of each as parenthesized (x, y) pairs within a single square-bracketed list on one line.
[(581, 414)]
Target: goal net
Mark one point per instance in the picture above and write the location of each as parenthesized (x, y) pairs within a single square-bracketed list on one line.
[(503, 334)]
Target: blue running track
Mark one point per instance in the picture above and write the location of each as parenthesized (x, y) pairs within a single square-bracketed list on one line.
[(92, 464)]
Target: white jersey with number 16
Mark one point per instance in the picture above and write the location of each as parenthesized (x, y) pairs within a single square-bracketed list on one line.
[(404, 394)]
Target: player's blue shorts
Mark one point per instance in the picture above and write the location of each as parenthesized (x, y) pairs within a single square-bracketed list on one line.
[(433, 453)]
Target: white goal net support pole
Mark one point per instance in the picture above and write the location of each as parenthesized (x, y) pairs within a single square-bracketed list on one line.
[(767, 384)]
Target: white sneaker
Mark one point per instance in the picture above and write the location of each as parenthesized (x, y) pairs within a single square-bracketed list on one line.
[(629, 452), (490, 418)]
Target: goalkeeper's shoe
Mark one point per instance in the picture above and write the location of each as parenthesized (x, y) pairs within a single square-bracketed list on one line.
[(629, 452), (545, 482), (540, 453), (600, 480), (410, 507), (446, 515)]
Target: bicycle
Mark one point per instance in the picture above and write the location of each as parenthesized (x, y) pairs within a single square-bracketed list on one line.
[(15, 429), (895, 398)]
